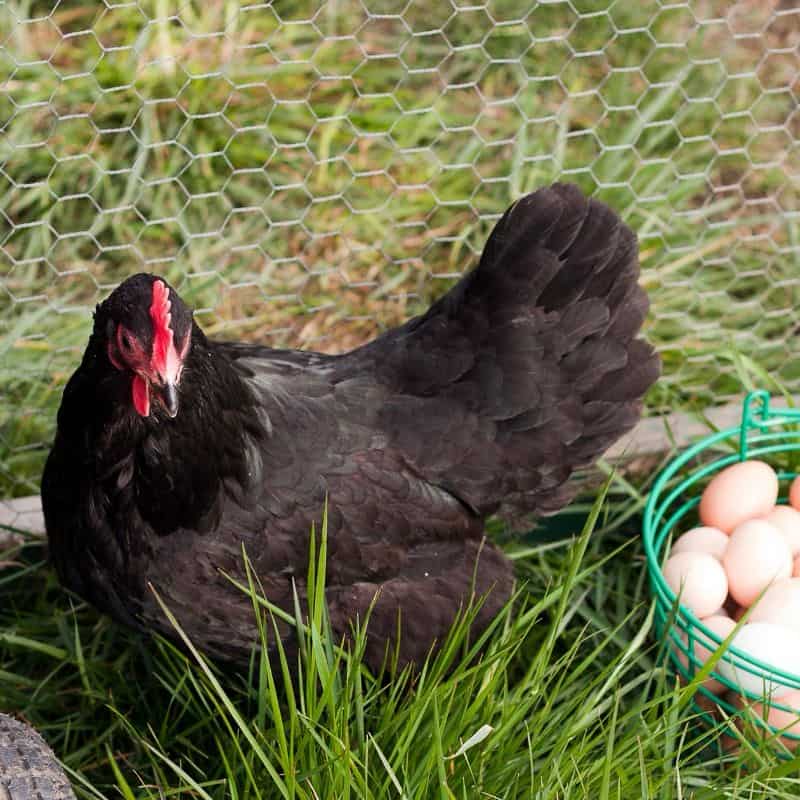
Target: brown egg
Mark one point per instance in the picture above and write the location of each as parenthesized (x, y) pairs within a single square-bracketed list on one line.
[(740, 492), (794, 493), (787, 520), (780, 604), (698, 580), (720, 626), (785, 720), (703, 540), (757, 554)]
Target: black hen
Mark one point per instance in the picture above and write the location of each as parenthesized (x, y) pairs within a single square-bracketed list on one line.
[(173, 451)]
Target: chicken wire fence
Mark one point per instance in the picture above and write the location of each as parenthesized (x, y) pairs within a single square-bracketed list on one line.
[(308, 173)]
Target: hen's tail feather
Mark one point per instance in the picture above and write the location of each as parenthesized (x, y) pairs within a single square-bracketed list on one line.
[(540, 343), (581, 263), (591, 282)]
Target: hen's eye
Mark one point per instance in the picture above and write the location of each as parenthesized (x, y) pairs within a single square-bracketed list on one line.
[(125, 341)]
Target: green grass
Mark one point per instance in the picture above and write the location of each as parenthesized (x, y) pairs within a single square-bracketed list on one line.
[(567, 696)]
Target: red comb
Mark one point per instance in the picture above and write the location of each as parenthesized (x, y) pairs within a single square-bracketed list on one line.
[(162, 332)]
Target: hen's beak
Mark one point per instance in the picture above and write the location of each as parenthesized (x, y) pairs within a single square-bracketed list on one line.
[(169, 394)]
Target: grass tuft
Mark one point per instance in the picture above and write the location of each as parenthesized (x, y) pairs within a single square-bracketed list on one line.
[(567, 696)]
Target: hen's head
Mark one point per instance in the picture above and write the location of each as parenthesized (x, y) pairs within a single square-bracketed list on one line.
[(146, 332)]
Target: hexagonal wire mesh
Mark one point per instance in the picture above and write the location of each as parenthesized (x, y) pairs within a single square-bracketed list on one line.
[(306, 172)]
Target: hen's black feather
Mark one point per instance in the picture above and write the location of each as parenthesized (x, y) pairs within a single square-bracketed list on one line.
[(527, 370)]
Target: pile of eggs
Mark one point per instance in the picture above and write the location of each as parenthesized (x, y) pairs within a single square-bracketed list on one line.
[(745, 558)]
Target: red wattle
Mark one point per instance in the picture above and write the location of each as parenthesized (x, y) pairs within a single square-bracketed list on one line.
[(141, 396)]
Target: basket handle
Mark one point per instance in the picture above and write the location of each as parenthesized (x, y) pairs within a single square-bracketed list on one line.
[(757, 413)]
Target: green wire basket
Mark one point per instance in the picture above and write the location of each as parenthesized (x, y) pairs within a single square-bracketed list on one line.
[(766, 433)]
